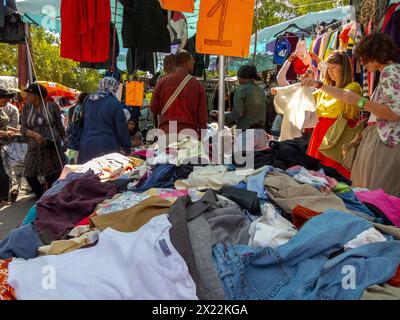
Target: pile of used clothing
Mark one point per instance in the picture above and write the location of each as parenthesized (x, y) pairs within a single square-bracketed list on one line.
[(156, 226)]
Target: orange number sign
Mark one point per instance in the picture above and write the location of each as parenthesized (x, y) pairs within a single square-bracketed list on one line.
[(223, 4), (227, 33), (178, 5), (134, 93)]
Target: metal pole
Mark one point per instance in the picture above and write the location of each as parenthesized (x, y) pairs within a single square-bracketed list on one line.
[(256, 34), (221, 108)]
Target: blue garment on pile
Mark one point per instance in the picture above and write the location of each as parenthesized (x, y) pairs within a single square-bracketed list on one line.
[(241, 185), (30, 216), (22, 242), (306, 177), (352, 203), (60, 183), (303, 269), (256, 183), (162, 176)]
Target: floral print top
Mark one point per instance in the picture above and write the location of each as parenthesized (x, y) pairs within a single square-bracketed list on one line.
[(388, 93)]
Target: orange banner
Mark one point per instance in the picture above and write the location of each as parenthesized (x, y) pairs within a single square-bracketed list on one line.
[(178, 5), (134, 93), (225, 27)]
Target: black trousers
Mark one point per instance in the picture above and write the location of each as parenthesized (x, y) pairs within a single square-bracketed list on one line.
[(4, 182), (37, 188)]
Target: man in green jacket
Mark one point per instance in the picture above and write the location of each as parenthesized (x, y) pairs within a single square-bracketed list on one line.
[(249, 106)]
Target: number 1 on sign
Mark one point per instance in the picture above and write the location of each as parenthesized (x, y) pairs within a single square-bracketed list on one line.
[(223, 4)]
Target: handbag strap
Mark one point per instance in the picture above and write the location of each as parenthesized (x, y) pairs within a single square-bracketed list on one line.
[(82, 111), (176, 94)]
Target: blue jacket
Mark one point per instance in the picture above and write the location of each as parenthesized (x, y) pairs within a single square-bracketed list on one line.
[(105, 129)]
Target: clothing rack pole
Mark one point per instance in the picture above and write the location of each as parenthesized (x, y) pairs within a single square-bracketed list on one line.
[(256, 34), (221, 109), (45, 106), (113, 66)]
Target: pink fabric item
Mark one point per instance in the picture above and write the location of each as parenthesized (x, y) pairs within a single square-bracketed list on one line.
[(144, 153), (173, 194), (332, 183), (389, 205)]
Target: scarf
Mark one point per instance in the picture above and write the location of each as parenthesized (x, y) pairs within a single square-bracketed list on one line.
[(107, 86)]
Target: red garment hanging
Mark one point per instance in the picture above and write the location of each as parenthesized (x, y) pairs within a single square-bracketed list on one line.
[(371, 75), (392, 9), (85, 29), (344, 35)]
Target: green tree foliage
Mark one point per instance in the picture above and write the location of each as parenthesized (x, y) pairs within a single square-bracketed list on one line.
[(48, 64), (8, 60), (271, 12)]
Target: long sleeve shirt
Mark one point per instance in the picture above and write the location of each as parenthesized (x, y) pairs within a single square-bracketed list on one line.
[(13, 114), (189, 109), (249, 107), (281, 78)]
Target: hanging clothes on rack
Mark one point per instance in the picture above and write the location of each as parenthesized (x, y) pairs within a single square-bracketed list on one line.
[(12, 28), (358, 68), (85, 27), (293, 39), (2, 14), (332, 43), (392, 25), (144, 26), (201, 61), (372, 10), (389, 13), (137, 59), (114, 53), (178, 29)]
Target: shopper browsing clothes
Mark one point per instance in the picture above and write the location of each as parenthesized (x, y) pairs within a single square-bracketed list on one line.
[(41, 124), (73, 114), (307, 73), (189, 107), (249, 102), (5, 134), (9, 109), (12, 153), (377, 162), (169, 64), (330, 104), (105, 128)]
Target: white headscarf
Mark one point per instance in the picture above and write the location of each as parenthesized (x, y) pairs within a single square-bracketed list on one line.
[(107, 86)]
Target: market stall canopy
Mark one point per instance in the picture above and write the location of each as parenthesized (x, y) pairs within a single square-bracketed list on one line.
[(58, 90), (307, 21)]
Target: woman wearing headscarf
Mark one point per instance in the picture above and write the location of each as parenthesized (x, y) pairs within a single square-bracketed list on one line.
[(105, 129), (41, 124)]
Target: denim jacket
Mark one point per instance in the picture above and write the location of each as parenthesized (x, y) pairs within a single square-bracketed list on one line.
[(304, 267)]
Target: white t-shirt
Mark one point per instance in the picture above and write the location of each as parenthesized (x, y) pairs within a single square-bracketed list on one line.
[(295, 103), (141, 265)]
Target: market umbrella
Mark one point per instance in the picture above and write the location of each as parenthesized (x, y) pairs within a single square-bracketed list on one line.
[(58, 90)]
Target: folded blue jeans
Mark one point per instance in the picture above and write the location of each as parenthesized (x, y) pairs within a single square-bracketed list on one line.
[(302, 269)]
